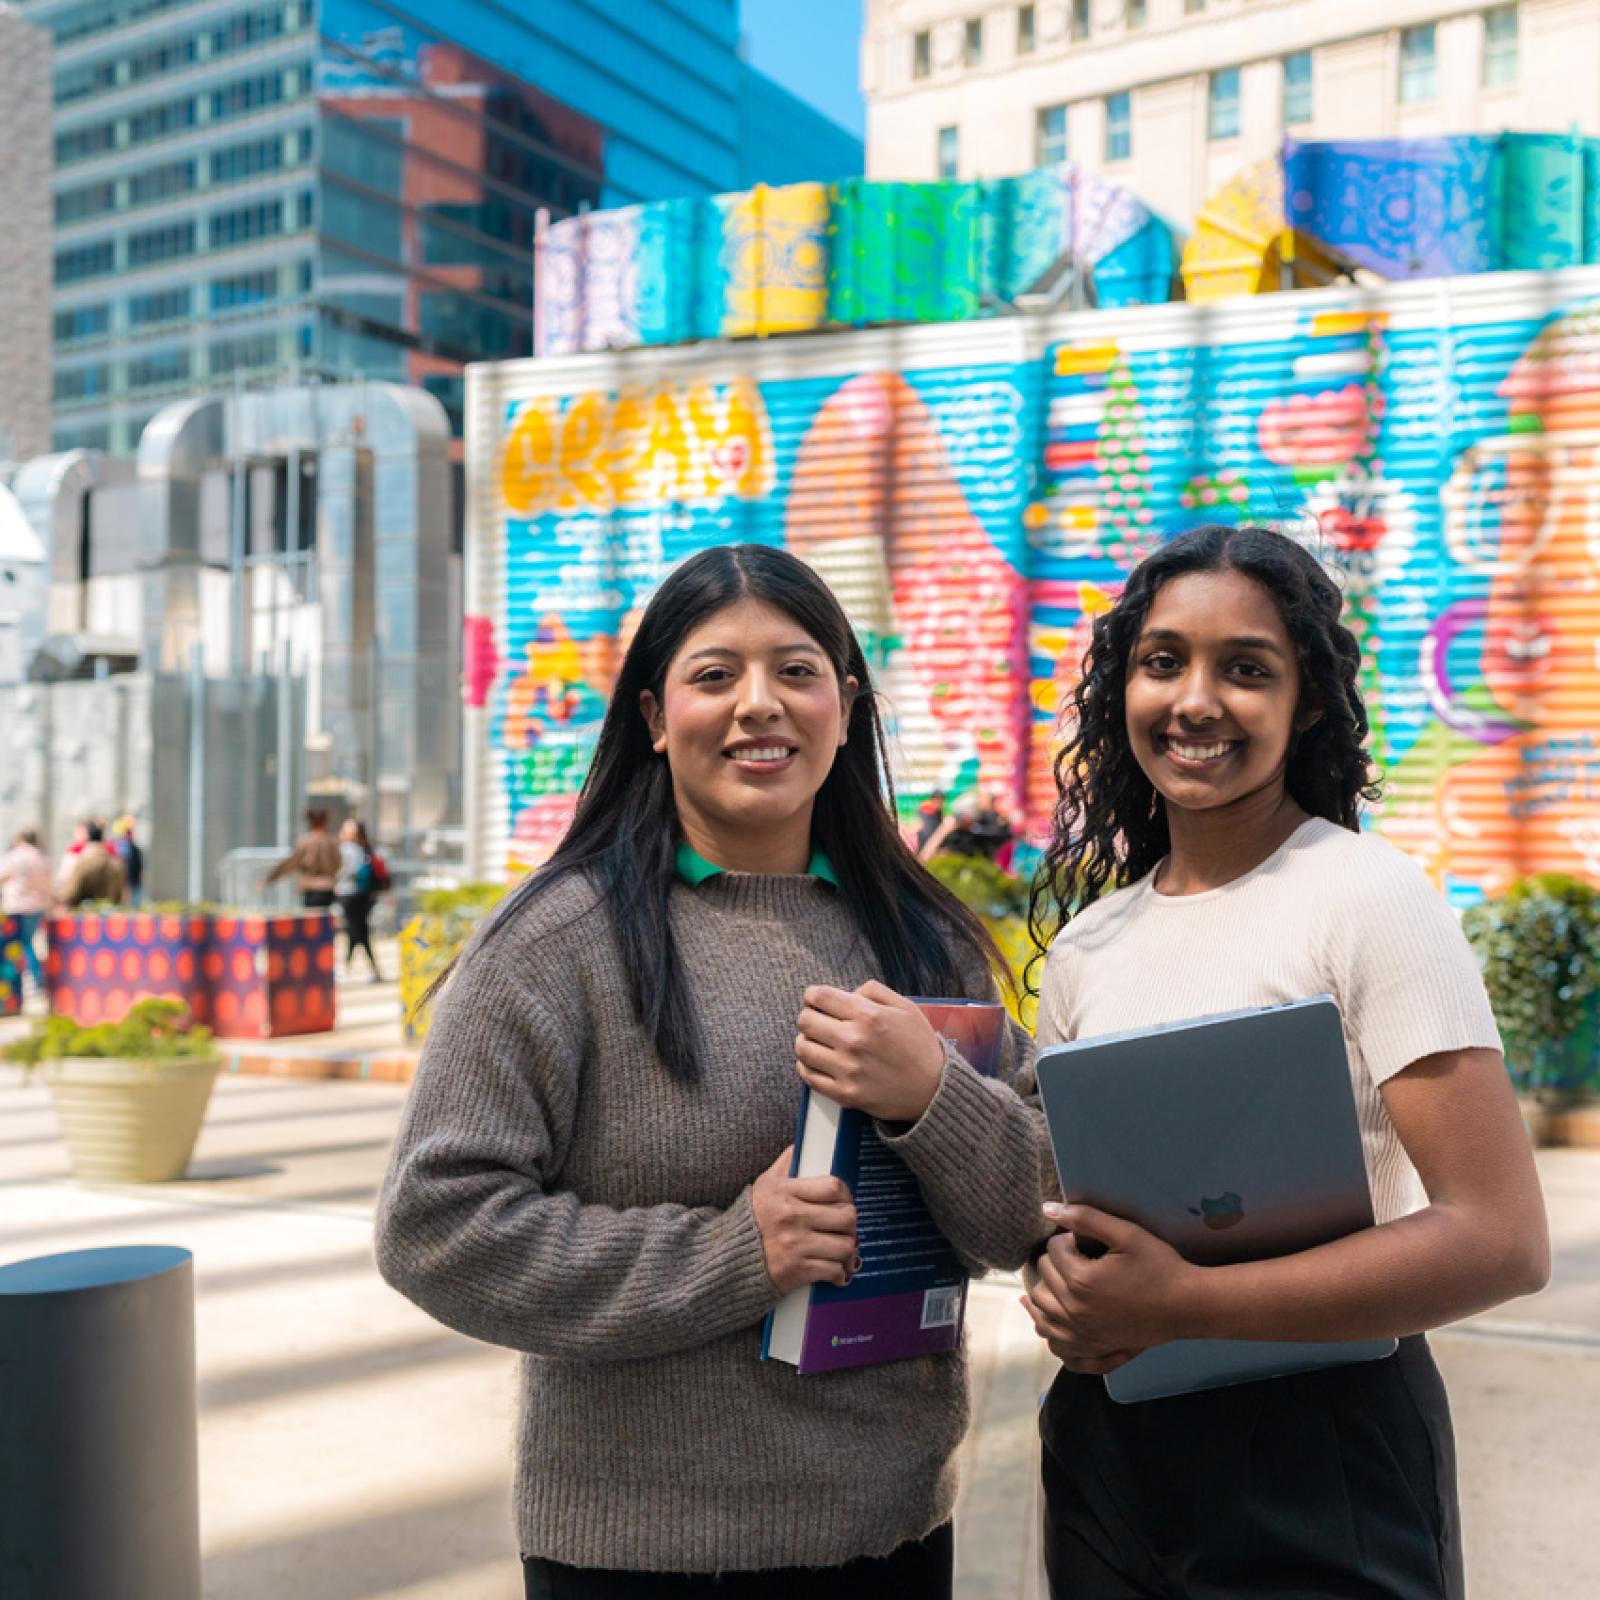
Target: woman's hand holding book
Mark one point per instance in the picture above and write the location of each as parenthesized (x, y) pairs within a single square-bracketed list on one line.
[(807, 1226)]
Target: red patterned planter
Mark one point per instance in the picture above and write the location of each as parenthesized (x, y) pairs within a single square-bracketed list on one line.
[(270, 976), (100, 964), (11, 964), (251, 976)]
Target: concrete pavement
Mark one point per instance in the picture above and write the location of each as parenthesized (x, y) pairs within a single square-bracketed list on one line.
[(351, 1449)]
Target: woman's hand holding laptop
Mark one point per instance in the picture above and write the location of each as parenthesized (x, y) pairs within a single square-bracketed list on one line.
[(1098, 1309)]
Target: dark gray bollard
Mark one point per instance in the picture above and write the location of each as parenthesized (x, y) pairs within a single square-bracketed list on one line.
[(98, 1473)]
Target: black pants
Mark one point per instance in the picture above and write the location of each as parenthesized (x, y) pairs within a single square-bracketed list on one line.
[(920, 1570), (316, 899), (1331, 1484), (357, 908)]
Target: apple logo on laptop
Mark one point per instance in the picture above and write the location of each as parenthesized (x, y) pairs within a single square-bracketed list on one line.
[(1221, 1212)]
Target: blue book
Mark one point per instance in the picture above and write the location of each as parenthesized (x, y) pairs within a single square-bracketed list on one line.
[(910, 1295)]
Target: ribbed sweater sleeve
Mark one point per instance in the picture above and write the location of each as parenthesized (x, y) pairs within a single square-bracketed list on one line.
[(473, 1229), (981, 1156)]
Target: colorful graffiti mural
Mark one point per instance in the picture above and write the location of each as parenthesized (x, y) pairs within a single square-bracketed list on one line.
[(977, 505)]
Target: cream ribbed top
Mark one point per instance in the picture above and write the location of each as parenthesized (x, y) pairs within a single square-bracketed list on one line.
[(1328, 912)]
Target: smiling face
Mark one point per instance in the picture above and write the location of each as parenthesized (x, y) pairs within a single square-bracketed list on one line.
[(750, 718), (1212, 691)]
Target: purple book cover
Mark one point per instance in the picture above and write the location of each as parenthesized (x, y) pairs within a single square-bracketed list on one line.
[(910, 1295)]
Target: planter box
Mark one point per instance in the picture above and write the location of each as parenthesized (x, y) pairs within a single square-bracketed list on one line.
[(12, 962), (270, 976), (429, 942), (129, 1121), (100, 964), (247, 977)]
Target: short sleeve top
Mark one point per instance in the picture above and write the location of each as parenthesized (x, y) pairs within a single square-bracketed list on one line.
[(1329, 912)]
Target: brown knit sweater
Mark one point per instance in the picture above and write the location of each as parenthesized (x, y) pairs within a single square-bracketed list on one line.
[(554, 1190)]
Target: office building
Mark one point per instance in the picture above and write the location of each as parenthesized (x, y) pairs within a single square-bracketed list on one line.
[(255, 191), (1174, 97)]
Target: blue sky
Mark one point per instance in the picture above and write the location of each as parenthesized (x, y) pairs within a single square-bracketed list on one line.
[(813, 48)]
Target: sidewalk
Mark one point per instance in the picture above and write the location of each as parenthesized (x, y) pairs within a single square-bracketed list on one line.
[(351, 1449)]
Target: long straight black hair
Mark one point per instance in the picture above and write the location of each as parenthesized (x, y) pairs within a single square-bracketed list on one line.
[(624, 834)]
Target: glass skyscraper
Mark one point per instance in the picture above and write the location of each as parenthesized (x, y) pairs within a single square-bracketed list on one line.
[(340, 188)]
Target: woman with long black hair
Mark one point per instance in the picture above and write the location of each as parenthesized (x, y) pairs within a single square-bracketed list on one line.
[(1207, 858), (593, 1165)]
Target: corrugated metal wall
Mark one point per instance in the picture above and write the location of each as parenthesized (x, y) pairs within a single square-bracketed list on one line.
[(976, 493)]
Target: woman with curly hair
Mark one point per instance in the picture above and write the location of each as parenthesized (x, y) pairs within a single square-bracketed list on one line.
[(1207, 858)]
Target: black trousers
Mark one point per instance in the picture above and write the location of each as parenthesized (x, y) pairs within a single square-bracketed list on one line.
[(1330, 1484), (357, 908), (920, 1570), (316, 899)]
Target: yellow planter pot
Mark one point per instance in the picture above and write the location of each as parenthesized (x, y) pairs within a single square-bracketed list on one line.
[(129, 1121)]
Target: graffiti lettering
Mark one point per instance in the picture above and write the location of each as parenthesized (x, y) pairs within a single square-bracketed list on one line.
[(644, 448)]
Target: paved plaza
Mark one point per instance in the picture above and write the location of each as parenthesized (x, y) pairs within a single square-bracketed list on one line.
[(351, 1449)]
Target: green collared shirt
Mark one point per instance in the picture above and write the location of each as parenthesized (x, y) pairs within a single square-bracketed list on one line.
[(694, 869)]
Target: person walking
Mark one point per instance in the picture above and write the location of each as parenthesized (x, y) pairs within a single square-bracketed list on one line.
[(27, 893), (357, 891), (315, 862), (93, 873), (593, 1165), (131, 856), (1207, 857)]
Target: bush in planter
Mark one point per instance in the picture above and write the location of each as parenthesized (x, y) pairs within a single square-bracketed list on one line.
[(433, 938), (1001, 902), (1539, 947), (131, 1094)]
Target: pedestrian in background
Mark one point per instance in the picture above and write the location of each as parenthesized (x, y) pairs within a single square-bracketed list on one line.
[(357, 890), (93, 874), (314, 861), (27, 893), (592, 1167), (131, 857)]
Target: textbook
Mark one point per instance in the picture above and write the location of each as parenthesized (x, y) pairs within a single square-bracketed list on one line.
[(910, 1295)]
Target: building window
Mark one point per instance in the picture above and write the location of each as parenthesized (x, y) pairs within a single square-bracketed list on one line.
[(247, 95), (1025, 30), (169, 57), (161, 244), (80, 383), (949, 152), (85, 79), (1135, 13), (244, 289), (247, 160), (1419, 64), (972, 43), (1297, 88), (1049, 136), (158, 369), (89, 200), (160, 305), (82, 322), (1500, 47), (1080, 19), (921, 54), (86, 261), (156, 122), (1119, 126), (260, 221), (249, 350), (161, 183), (81, 144), (1222, 104)]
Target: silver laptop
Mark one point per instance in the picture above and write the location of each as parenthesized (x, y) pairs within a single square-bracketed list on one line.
[(1234, 1138)]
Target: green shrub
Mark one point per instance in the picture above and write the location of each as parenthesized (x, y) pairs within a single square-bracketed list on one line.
[(153, 1030), (1539, 947)]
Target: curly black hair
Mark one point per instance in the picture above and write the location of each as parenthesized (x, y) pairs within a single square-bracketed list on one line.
[(1110, 826)]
